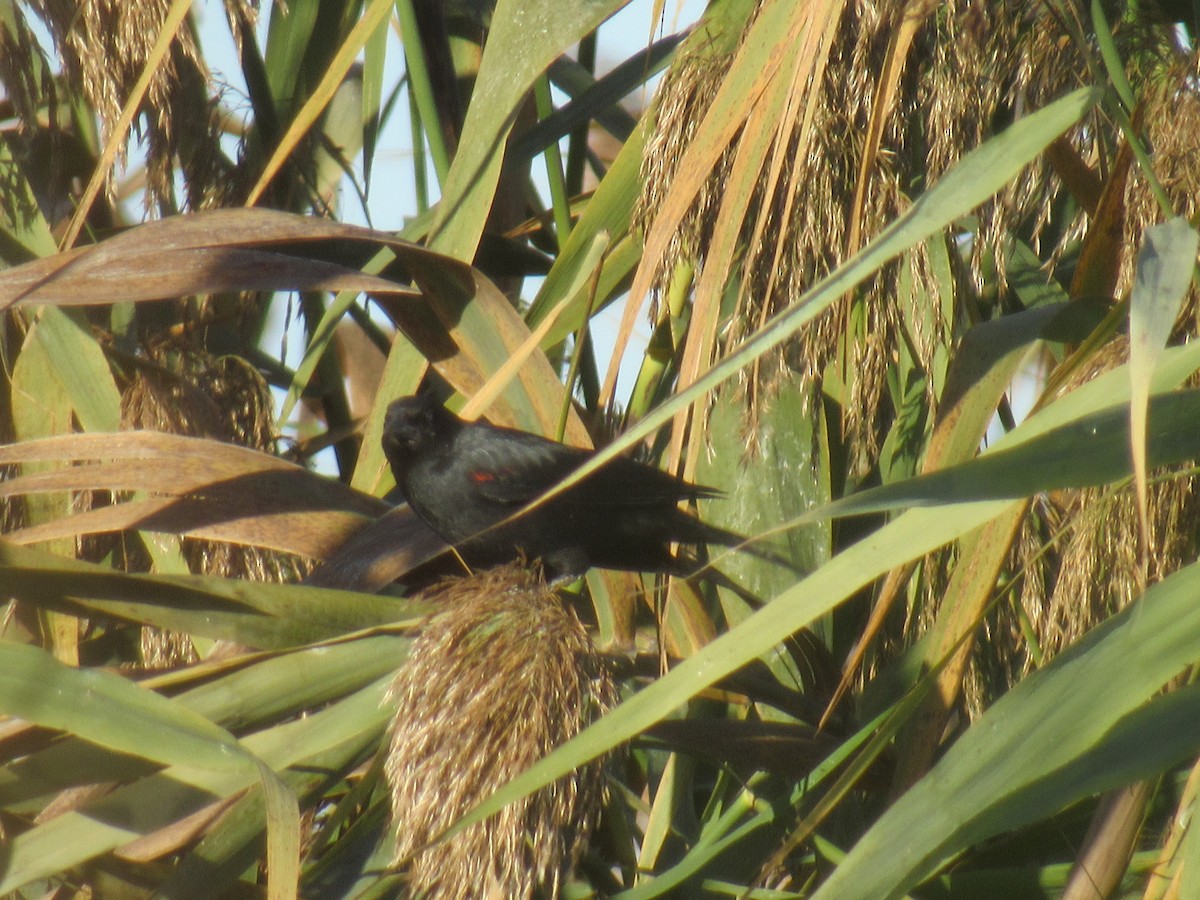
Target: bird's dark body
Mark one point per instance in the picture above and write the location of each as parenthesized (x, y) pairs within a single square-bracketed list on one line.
[(464, 478)]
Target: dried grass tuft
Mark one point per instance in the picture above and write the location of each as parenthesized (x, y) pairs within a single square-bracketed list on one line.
[(104, 45), (1100, 556), (1078, 559), (688, 89), (1172, 121), (972, 68), (494, 682), (190, 393), (24, 70)]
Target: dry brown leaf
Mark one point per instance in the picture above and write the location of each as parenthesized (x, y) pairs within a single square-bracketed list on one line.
[(316, 535), (188, 465), (213, 490), (199, 253), (378, 554)]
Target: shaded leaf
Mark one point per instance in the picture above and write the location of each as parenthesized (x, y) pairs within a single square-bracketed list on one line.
[(255, 614), (157, 801), (109, 710), (526, 36), (1080, 441), (1164, 273), (1088, 452), (252, 694), (1065, 732)]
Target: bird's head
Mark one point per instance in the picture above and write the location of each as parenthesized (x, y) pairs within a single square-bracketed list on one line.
[(413, 425)]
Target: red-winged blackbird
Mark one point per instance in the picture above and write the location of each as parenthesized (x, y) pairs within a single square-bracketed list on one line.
[(463, 478)]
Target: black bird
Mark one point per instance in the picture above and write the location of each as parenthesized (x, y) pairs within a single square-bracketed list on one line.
[(462, 478)]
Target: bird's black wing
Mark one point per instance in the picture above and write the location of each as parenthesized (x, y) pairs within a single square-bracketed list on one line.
[(515, 467)]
